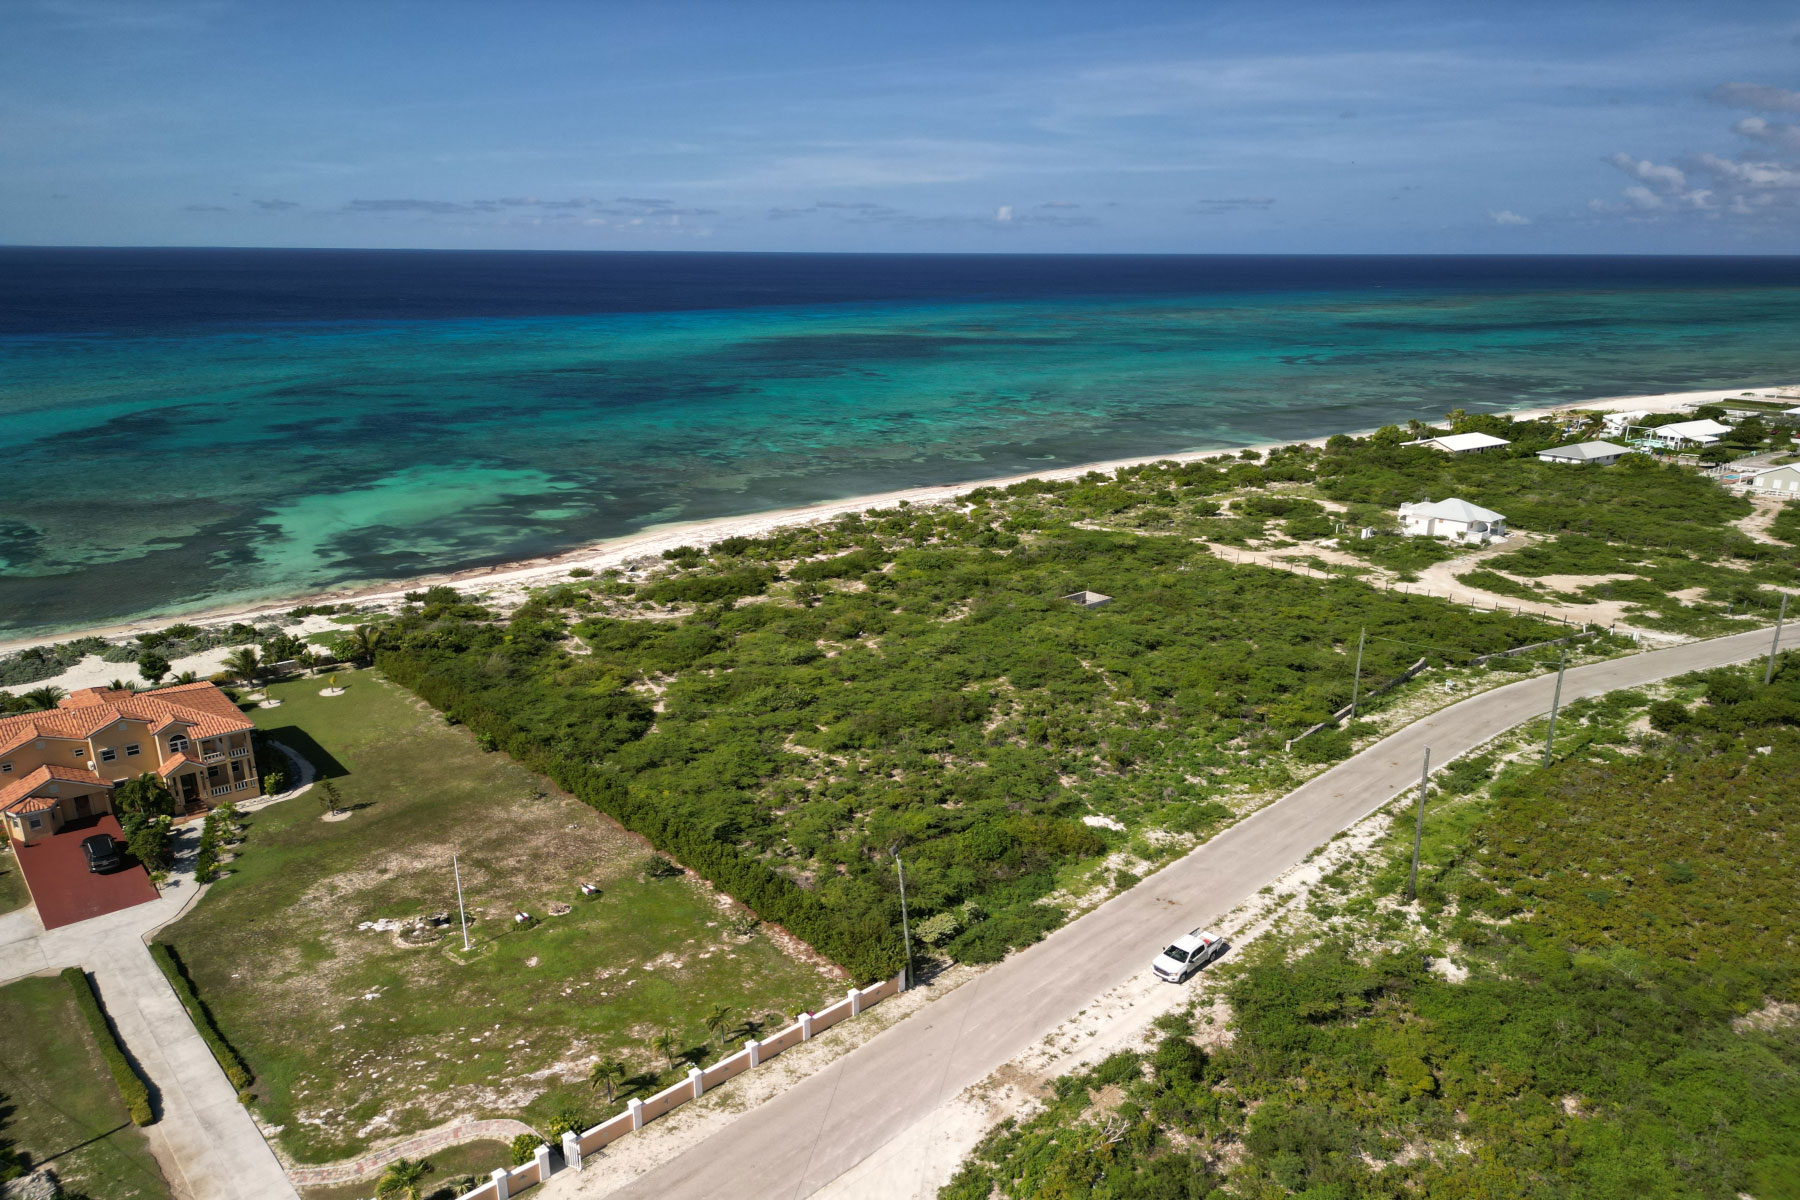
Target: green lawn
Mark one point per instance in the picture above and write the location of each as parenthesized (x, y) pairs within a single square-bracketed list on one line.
[(355, 1037), (449, 1168), (13, 892), (60, 1105)]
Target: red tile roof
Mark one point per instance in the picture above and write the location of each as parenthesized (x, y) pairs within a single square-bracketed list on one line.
[(202, 707), (17, 797), (175, 764)]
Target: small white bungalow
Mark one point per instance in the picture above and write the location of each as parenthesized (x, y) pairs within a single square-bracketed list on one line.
[(1602, 453), (1457, 520), (1088, 599), (1616, 423), (1705, 432), (1781, 482), (1462, 443)]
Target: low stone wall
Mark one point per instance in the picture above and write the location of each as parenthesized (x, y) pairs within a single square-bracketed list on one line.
[(503, 1184), (453, 1134), (576, 1146)]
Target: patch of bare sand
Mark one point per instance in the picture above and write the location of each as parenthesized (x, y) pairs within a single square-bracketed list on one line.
[(1756, 525)]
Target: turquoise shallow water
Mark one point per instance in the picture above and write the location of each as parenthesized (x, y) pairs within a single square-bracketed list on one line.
[(168, 469)]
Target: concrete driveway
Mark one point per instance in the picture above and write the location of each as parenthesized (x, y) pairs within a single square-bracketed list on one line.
[(797, 1143), (204, 1139)]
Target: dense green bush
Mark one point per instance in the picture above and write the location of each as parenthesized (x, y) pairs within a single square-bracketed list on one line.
[(942, 699), (1626, 927), (233, 1065), (132, 1088)]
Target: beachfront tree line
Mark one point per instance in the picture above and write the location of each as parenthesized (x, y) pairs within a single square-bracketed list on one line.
[(911, 679)]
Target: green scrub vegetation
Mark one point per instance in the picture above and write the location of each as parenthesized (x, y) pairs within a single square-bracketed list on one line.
[(1627, 1027), (913, 678)]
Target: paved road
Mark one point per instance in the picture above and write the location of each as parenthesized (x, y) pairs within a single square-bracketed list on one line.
[(797, 1143), (205, 1140)]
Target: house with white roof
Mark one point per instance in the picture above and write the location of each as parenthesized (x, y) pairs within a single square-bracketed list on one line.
[(1457, 520), (1462, 443), (1705, 432), (1616, 423), (1783, 483), (1600, 453)]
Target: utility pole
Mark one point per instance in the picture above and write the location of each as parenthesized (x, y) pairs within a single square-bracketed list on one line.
[(1356, 683), (905, 925), (1412, 879), (1769, 671), (1562, 661), (461, 911)]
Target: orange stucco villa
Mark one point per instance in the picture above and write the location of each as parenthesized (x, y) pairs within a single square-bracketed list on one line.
[(61, 765)]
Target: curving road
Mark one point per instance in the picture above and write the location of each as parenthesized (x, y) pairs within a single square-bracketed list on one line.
[(797, 1143)]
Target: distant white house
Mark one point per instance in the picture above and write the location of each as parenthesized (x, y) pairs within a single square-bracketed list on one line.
[(1462, 443), (1616, 423), (1088, 599), (1601, 453), (1781, 482), (1705, 432), (1457, 520)]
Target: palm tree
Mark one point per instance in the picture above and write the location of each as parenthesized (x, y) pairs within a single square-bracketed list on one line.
[(188, 677), (43, 697), (404, 1177), (244, 663), (608, 1074), (664, 1044), (361, 644), (715, 1020)]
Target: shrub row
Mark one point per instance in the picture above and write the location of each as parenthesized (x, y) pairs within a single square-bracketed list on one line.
[(869, 947), (132, 1088), (202, 1017)]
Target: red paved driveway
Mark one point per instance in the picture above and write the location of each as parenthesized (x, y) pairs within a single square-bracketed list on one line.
[(66, 892)]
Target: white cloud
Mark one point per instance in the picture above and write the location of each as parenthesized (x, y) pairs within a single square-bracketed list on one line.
[(1663, 179), (1752, 174), (1781, 137), (1507, 216), (1003, 213), (1758, 96)]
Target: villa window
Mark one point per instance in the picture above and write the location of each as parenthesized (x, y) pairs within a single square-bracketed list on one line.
[(107, 754), (5, 768), (178, 744), (81, 752), (133, 750), (35, 822)]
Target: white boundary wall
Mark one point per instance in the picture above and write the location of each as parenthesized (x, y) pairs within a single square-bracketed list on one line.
[(503, 1184)]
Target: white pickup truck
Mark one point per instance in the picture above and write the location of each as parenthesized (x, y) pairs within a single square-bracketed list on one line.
[(1187, 954)]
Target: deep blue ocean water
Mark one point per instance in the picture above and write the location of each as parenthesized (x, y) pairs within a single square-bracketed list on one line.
[(188, 428)]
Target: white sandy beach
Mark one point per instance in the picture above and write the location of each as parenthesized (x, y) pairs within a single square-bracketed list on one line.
[(510, 583)]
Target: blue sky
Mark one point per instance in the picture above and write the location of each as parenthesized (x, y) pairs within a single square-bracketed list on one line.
[(971, 126)]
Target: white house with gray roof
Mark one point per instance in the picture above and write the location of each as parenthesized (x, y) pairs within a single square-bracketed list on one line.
[(1600, 453), (1457, 520)]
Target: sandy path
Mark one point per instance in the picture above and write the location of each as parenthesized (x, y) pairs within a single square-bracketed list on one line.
[(1756, 525)]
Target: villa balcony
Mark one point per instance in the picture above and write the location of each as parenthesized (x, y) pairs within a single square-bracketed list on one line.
[(213, 756)]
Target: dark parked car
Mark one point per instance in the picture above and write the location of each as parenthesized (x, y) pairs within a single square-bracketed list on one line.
[(102, 852)]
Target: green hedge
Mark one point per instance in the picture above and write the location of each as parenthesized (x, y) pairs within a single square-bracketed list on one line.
[(869, 949), (132, 1088), (202, 1017)]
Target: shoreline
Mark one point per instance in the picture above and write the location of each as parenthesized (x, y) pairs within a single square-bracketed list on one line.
[(654, 539)]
